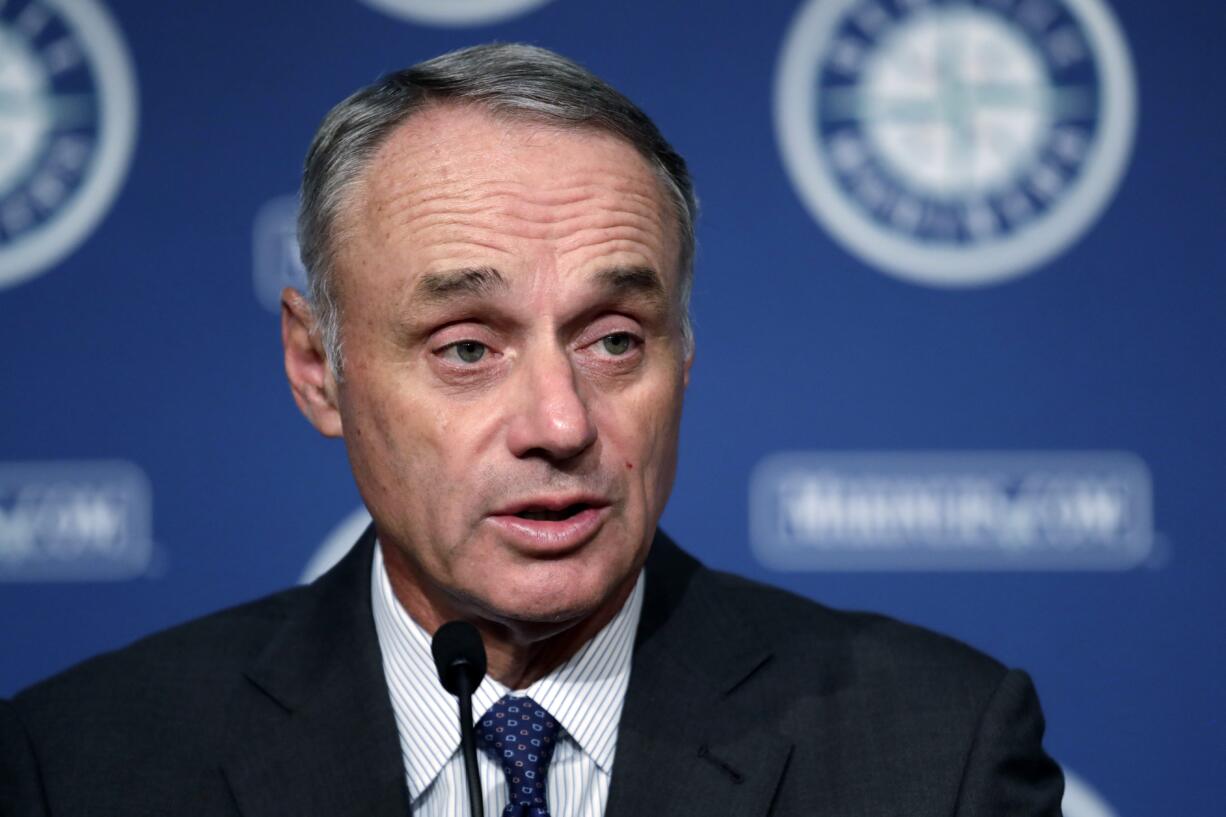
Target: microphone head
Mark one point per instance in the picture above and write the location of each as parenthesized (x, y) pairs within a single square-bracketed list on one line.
[(458, 652)]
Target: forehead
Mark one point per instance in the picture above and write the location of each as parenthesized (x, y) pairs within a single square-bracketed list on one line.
[(456, 178), (460, 143)]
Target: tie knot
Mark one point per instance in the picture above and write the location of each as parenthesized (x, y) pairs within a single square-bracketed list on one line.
[(521, 735)]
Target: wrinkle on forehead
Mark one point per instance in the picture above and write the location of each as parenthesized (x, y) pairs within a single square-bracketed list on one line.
[(549, 214), (454, 178)]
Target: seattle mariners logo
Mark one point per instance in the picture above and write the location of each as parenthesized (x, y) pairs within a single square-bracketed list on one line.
[(955, 142), (67, 127), (456, 12)]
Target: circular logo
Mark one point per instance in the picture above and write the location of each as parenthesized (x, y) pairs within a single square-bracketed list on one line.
[(67, 129), (955, 143), (1081, 800), (335, 545), (456, 12)]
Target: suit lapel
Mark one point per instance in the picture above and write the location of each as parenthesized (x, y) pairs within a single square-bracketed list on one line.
[(315, 733), (688, 742)]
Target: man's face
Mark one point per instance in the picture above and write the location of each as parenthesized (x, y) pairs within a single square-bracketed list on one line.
[(513, 363)]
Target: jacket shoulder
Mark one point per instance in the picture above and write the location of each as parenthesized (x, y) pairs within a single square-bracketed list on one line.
[(870, 646), (924, 720), (173, 669)]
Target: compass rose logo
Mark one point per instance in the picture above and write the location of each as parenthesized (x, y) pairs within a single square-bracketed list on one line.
[(955, 142), (67, 128)]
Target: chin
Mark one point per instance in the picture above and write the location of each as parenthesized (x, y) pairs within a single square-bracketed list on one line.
[(545, 608), (554, 601)]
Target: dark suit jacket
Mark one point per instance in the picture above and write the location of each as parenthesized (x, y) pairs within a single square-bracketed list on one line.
[(743, 700)]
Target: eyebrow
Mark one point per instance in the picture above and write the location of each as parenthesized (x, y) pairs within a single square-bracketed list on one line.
[(439, 287), (633, 281)]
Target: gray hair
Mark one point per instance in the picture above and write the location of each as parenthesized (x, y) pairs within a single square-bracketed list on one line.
[(514, 80)]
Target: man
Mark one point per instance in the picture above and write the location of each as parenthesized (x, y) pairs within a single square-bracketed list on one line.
[(500, 252)]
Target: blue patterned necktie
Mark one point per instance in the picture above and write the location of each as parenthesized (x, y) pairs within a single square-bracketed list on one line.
[(521, 736)]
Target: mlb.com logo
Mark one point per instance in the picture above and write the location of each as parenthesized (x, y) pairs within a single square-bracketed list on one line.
[(73, 521), (952, 511)]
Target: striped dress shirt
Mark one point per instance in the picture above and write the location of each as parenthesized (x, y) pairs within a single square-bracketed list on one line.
[(585, 695)]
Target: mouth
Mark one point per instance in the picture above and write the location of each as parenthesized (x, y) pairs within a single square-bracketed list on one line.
[(547, 515), (552, 508), (551, 525)]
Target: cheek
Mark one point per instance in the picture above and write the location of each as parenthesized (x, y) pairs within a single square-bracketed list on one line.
[(641, 432), (426, 460), (666, 425), (389, 442)]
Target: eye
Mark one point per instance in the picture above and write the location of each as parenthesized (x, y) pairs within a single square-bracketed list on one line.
[(618, 343), (466, 351)]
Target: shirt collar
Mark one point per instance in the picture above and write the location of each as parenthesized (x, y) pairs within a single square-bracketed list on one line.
[(585, 693)]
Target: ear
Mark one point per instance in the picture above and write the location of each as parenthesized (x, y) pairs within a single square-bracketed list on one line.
[(306, 365), (689, 361)]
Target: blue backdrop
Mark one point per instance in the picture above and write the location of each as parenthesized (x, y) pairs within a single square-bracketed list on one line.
[(1007, 427)]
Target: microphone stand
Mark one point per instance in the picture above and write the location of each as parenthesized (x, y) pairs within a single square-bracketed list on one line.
[(468, 744)]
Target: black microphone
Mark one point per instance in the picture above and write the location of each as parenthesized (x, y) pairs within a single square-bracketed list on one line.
[(459, 656)]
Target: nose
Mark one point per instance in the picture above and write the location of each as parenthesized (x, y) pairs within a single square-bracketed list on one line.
[(550, 417)]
